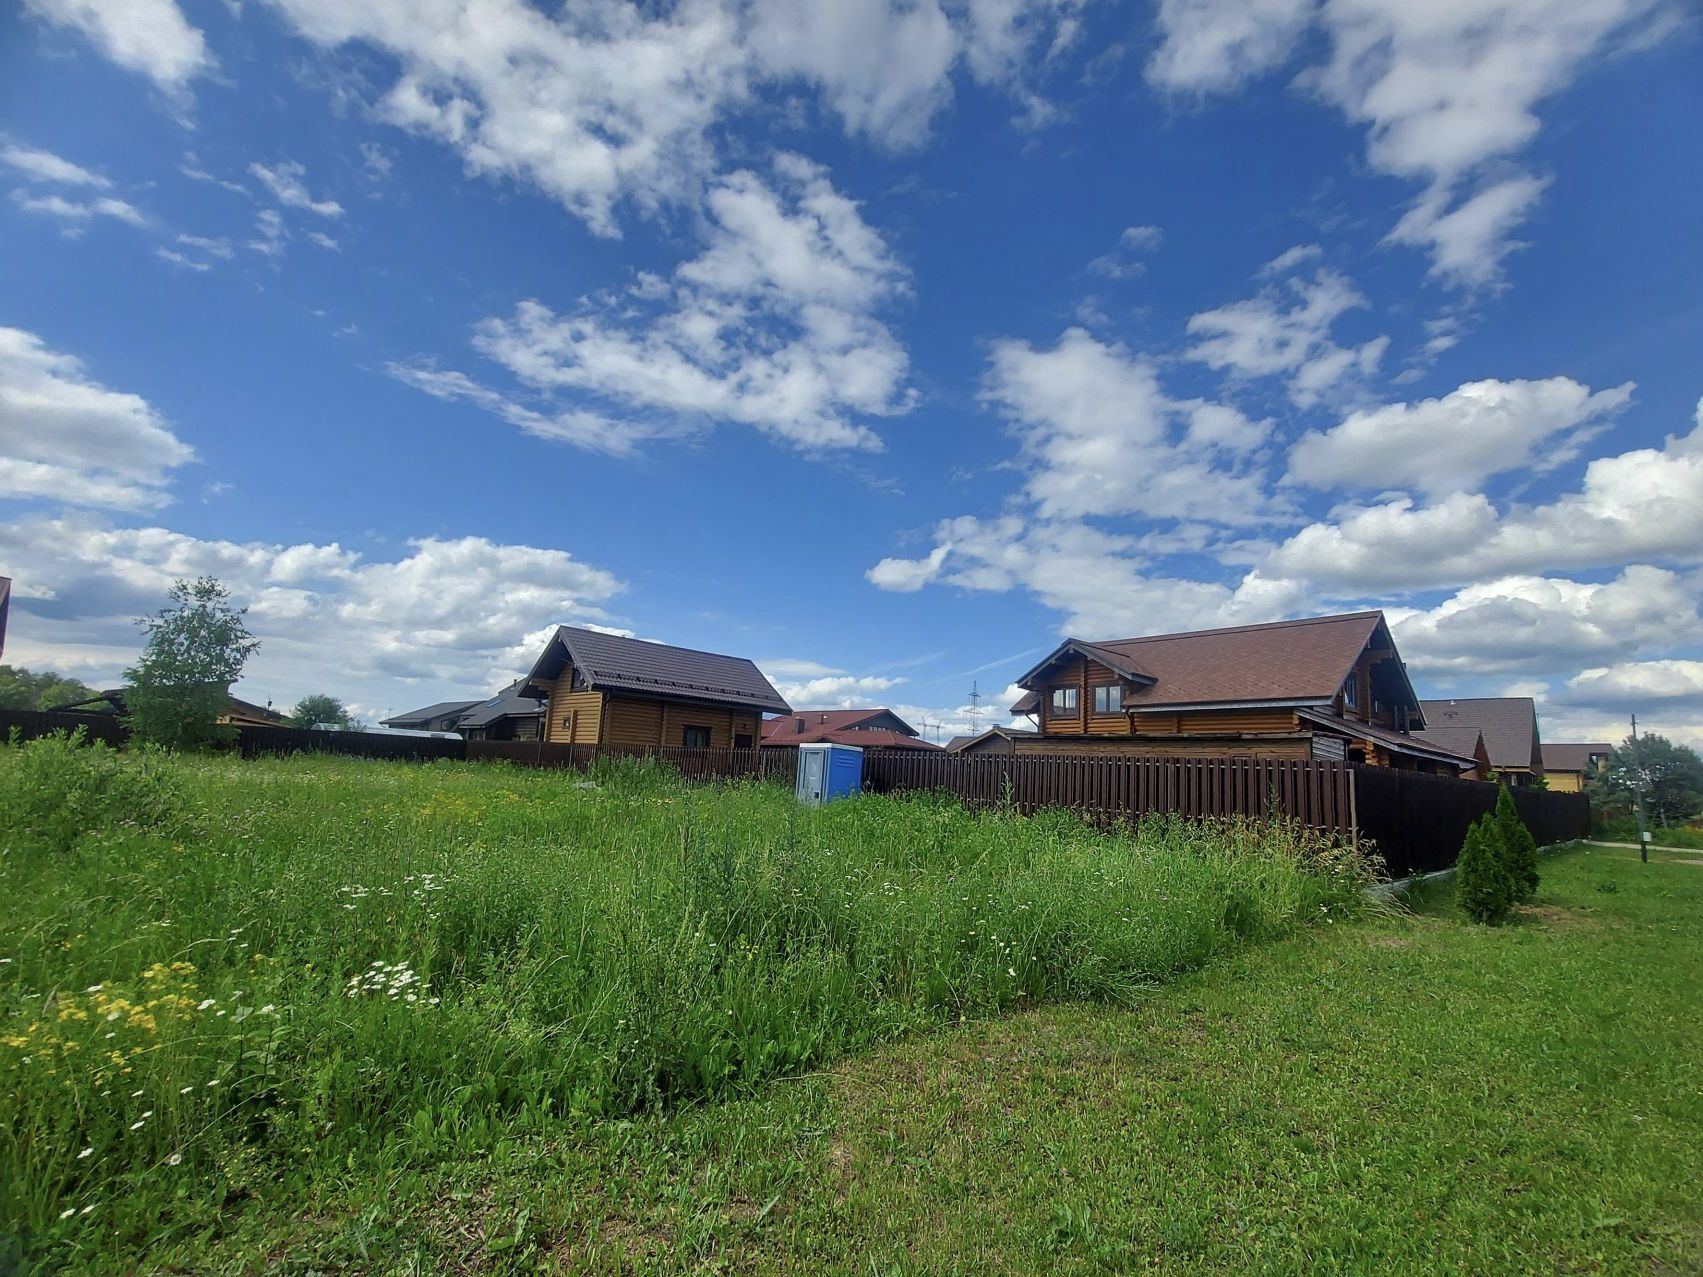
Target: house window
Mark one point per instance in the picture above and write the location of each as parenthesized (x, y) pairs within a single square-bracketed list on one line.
[(1064, 700), (1350, 693), (1109, 700), (568, 723), (742, 740), (697, 738)]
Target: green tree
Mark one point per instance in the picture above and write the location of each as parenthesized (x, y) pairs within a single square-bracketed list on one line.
[(321, 708), (1519, 848), (1482, 886), (27, 689), (196, 649), (1672, 778)]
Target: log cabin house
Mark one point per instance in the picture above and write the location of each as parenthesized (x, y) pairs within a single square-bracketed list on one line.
[(603, 689), (1331, 687)]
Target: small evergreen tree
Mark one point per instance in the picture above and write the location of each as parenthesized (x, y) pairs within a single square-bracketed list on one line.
[(1519, 848), (1482, 886), (176, 693)]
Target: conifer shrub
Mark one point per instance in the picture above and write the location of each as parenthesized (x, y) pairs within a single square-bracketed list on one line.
[(1519, 848), (1482, 885)]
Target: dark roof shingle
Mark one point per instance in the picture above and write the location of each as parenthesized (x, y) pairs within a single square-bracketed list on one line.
[(427, 712), (1573, 757), (1284, 661), (508, 703), (613, 662), (1509, 724)]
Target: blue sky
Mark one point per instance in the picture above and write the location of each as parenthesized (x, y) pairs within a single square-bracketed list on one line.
[(882, 342)]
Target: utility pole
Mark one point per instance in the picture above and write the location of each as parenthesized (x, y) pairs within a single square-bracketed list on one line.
[(1638, 795)]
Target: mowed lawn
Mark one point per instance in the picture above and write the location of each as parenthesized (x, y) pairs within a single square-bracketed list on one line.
[(1402, 1093)]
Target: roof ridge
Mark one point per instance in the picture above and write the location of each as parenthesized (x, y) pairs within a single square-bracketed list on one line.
[(674, 647), (1240, 629), (1444, 700)]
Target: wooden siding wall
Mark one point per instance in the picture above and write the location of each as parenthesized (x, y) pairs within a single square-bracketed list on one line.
[(601, 718), (1069, 672), (635, 721), (1170, 747), (1083, 675), (586, 709), (1215, 722)]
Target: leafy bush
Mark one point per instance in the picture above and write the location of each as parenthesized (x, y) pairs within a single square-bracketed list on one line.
[(56, 788), (1483, 888), (1519, 848)]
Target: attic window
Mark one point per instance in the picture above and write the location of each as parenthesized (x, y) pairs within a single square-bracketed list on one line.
[(1109, 700), (1350, 693), (1064, 700)]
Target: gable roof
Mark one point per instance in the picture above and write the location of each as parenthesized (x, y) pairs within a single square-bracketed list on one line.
[(1573, 757), (508, 703), (818, 722), (1509, 724), (613, 662), (1301, 662), (958, 744), (426, 713)]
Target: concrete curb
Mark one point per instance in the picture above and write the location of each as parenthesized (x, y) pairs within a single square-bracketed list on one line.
[(1384, 890)]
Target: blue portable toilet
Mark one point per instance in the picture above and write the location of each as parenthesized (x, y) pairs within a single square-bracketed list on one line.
[(827, 772)]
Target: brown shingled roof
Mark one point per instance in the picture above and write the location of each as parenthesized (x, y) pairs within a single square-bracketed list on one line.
[(1573, 757), (1288, 662), (1509, 724), (817, 722), (613, 662)]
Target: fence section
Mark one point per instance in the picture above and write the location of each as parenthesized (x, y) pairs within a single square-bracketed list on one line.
[(1313, 792), (694, 764), (1417, 822), (255, 741), (31, 723)]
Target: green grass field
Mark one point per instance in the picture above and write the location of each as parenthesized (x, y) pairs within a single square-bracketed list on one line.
[(1381, 1090), (227, 983)]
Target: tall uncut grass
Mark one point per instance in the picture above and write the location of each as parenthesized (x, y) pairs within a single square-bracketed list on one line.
[(216, 973)]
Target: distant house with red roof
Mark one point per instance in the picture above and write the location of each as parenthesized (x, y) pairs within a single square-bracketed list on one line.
[(868, 728)]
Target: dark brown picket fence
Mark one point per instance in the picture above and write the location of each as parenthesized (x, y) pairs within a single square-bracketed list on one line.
[(252, 742), (1315, 793), (1417, 822), (31, 723)]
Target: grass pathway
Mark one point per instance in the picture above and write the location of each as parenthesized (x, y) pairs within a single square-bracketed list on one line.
[(1401, 1094)]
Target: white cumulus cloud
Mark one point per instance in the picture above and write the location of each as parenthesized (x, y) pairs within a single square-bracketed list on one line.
[(66, 437)]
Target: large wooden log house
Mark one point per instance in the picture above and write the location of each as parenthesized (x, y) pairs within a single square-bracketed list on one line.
[(1324, 687)]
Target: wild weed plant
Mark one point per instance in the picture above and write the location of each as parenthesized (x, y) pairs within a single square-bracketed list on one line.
[(218, 976)]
